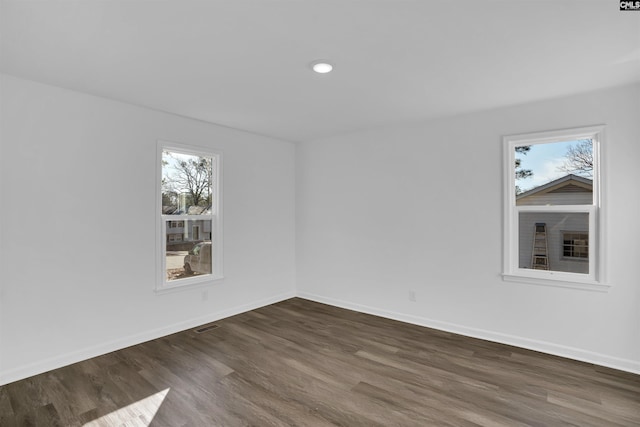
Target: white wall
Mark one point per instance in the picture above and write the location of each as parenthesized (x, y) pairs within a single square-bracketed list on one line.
[(377, 214), (419, 208), (78, 226)]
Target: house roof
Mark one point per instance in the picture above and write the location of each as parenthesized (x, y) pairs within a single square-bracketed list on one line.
[(566, 184)]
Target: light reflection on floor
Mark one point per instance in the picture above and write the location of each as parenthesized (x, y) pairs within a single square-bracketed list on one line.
[(139, 413)]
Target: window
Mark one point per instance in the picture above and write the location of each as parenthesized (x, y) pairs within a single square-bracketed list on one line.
[(553, 215), (575, 245), (189, 216)]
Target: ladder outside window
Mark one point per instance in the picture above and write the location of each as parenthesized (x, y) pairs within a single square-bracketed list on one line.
[(540, 253)]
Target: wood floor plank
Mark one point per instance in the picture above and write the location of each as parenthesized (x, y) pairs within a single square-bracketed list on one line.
[(7, 415), (301, 363)]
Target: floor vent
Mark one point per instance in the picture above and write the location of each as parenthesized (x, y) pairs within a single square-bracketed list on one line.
[(206, 328)]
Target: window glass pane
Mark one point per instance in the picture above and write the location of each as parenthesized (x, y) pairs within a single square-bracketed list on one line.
[(555, 241), (186, 184), (557, 173), (188, 248)]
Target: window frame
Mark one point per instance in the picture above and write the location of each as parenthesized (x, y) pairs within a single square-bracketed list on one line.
[(163, 222), (595, 279)]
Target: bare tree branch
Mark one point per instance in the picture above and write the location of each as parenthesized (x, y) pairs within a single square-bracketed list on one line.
[(193, 177), (579, 159)]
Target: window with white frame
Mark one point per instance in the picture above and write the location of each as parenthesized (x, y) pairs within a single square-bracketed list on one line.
[(190, 215), (553, 215)]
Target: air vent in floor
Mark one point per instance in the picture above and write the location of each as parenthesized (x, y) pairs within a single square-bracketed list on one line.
[(205, 328)]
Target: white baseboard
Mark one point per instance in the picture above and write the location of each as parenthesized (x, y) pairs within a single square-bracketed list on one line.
[(39, 367), (104, 348), (541, 346)]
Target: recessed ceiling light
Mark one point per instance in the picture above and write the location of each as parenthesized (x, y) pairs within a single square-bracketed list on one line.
[(321, 67)]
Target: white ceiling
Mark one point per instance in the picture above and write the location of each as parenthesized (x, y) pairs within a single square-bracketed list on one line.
[(245, 63)]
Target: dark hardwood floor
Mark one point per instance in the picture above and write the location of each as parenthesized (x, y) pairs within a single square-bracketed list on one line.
[(300, 363)]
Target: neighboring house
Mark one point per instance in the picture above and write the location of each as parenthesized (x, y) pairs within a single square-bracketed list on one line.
[(567, 234), (175, 231), (187, 231)]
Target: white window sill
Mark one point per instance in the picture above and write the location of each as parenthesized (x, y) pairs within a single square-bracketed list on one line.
[(187, 284), (585, 285)]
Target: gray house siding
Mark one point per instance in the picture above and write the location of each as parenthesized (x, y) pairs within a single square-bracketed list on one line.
[(568, 190), (557, 199), (556, 223)]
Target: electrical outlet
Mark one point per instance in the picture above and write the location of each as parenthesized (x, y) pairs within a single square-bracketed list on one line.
[(412, 296)]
